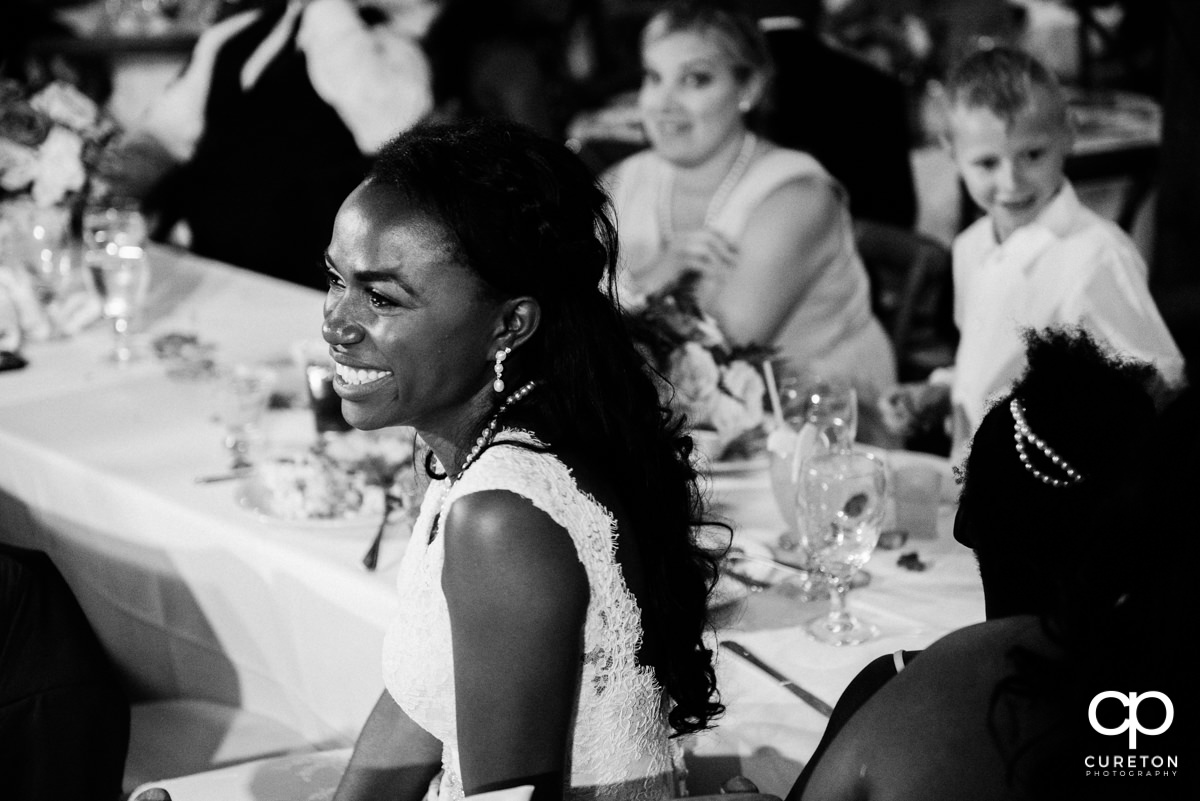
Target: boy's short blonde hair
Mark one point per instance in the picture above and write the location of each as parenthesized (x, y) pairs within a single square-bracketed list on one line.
[(1003, 81)]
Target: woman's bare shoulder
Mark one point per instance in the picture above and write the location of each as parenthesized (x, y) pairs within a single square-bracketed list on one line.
[(926, 731)]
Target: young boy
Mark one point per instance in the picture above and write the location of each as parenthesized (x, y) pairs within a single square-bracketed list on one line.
[(1038, 257)]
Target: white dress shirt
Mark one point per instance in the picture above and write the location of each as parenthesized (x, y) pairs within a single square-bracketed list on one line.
[(1069, 266)]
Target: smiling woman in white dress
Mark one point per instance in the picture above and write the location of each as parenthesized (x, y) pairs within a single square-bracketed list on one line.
[(766, 228), (553, 597)]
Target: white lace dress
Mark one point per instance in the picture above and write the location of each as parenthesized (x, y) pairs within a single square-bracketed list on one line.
[(620, 747)]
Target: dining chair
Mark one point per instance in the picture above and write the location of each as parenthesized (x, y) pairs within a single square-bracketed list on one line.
[(912, 295), (127, 636), (64, 718)]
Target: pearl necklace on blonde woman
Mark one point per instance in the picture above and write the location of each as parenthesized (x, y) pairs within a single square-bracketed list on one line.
[(735, 173)]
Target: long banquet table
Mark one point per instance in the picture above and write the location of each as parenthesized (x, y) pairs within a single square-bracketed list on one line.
[(195, 597)]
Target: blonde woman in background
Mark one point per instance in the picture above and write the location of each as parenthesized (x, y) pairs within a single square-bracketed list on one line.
[(766, 229)]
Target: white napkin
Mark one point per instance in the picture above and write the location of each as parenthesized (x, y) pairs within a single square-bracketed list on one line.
[(520, 793)]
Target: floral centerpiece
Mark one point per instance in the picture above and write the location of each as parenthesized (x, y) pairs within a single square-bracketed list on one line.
[(51, 140), (717, 386)]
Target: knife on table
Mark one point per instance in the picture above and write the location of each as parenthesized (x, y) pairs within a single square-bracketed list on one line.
[(791, 686)]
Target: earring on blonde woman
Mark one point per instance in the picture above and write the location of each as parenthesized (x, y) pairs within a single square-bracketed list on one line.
[(501, 355)]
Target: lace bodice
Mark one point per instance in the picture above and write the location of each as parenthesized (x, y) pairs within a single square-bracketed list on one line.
[(620, 747)]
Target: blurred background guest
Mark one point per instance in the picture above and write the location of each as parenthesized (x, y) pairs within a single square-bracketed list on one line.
[(1064, 473), (765, 228), (273, 122), (536, 62), (844, 111), (1038, 256), (24, 22)]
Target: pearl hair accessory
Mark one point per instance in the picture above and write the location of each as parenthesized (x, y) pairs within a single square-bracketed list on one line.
[(1022, 435), (501, 355), (489, 431)]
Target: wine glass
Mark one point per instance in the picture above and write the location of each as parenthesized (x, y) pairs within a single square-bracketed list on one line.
[(832, 406), (840, 505), (48, 257), (243, 395), (112, 224), (823, 414), (122, 276)]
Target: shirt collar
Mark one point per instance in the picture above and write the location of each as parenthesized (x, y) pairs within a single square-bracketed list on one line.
[(1059, 214), (1057, 217)]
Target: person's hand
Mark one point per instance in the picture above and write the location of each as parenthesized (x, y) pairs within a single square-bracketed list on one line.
[(176, 119), (703, 251), (907, 408)]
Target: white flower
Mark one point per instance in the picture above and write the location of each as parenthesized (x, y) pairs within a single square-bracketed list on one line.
[(18, 165), (739, 407), (710, 332), (695, 375), (66, 105), (743, 382), (60, 167)]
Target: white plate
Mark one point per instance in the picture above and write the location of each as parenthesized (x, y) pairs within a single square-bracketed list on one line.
[(252, 496), (727, 467), (727, 591)]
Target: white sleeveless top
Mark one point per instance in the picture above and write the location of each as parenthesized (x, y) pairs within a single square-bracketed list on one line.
[(832, 329), (620, 746)]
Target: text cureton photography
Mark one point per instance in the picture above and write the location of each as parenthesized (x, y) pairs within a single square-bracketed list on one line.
[(1112, 714)]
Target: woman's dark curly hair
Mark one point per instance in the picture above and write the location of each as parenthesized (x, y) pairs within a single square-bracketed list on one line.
[(529, 219), (1097, 562)]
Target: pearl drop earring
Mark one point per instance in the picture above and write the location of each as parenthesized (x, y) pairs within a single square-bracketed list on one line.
[(501, 355)]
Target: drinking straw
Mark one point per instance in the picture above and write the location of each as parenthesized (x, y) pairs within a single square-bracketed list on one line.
[(773, 391)]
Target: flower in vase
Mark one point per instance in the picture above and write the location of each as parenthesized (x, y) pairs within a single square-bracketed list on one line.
[(49, 142), (694, 374), (60, 168), (740, 407), (66, 106), (717, 386)]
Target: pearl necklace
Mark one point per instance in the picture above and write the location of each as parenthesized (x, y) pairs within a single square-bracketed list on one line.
[(489, 431), (737, 171)]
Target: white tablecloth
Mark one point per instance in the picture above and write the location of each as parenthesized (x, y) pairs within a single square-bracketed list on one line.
[(195, 597), (772, 732)]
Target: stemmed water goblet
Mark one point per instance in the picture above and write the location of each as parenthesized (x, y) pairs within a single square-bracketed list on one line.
[(821, 415), (49, 259), (840, 507), (122, 277), (243, 395)]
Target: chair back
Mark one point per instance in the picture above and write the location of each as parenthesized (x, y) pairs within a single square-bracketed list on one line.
[(912, 295)]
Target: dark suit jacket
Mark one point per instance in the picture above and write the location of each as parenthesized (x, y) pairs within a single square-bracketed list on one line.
[(850, 116)]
